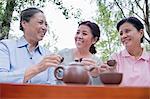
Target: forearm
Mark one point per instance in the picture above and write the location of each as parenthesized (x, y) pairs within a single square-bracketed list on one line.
[(30, 73), (12, 77)]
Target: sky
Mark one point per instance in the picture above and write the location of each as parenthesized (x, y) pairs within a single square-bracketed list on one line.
[(64, 29)]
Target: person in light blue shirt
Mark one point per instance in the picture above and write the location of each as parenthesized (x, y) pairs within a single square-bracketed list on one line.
[(24, 60)]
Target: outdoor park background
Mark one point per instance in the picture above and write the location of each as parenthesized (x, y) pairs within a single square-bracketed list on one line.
[(63, 17)]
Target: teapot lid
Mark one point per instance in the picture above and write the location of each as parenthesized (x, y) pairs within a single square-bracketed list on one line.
[(76, 63)]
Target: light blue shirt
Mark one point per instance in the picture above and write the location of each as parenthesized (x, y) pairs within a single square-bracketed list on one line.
[(15, 58)]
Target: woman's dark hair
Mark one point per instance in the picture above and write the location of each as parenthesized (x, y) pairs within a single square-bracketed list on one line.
[(27, 14), (95, 32), (134, 21)]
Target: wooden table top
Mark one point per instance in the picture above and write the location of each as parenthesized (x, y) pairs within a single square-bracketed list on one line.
[(38, 91)]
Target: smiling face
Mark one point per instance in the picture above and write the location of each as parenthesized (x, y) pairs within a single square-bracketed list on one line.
[(84, 38), (130, 36), (35, 29)]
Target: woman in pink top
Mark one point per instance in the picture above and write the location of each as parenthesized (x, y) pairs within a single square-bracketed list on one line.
[(133, 61)]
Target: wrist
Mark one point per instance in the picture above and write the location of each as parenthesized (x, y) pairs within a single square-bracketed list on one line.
[(29, 73)]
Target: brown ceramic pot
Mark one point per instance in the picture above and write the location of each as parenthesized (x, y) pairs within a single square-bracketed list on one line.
[(111, 78), (74, 73)]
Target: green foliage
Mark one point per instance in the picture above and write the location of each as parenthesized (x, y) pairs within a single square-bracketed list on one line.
[(22, 4), (7, 10), (1, 10), (4, 32), (147, 46), (67, 12), (109, 41), (138, 8), (8, 6), (110, 12)]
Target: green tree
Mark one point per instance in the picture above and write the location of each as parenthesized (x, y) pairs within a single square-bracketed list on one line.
[(138, 8), (1, 13), (109, 41), (7, 7), (6, 13), (110, 12)]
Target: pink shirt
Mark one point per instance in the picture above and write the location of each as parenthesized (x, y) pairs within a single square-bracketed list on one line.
[(136, 72)]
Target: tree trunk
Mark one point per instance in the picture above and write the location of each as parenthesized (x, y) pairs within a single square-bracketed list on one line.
[(5, 25), (147, 25)]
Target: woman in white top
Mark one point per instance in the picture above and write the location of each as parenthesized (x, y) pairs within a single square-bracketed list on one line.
[(88, 33)]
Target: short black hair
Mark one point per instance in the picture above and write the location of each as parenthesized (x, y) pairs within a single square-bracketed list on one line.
[(134, 21), (27, 14)]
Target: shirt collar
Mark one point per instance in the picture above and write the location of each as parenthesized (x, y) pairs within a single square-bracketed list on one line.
[(22, 42), (145, 55)]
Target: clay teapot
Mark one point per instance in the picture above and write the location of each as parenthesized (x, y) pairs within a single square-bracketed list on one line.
[(75, 73)]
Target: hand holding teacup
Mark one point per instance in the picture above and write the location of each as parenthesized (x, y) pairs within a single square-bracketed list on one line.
[(91, 66), (109, 66), (48, 61), (108, 73)]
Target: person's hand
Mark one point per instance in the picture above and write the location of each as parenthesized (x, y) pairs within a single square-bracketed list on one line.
[(106, 68), (88, 62), (90, 65), (103, 68), (47, 61)]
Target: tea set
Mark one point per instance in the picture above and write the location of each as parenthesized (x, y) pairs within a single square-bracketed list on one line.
[(76, 73)]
